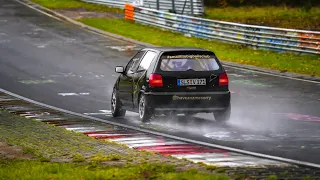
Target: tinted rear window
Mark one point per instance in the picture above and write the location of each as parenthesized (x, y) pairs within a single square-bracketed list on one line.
[(188, 61)]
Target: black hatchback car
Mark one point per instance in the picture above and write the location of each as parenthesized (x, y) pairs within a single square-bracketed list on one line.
[(172, 80)]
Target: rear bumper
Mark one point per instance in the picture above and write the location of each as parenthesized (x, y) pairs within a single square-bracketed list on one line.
[(188, 102)]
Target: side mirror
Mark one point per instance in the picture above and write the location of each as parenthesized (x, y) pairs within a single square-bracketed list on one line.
[(119, 69)]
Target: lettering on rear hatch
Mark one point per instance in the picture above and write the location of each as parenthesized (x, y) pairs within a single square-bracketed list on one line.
[(191, 97)]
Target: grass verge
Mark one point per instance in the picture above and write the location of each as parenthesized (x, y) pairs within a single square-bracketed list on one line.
[(303, 64), (75, 4), (61, 154), (276, 16), (23, 169)]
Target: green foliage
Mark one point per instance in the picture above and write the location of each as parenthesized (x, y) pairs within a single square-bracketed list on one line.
[(211, 168), (192, 176), (44, 159), (237, 3), (307, 6), (99, 157), (28, 150), (78, 158), (240, 176), (304, 64), (220, 170), (272, 177), (40, 170), (275, 16)]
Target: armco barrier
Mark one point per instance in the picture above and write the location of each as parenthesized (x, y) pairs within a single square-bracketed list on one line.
[(278, 39), (189, 7)]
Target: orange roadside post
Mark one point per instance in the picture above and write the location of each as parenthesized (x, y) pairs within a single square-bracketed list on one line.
[(129, 12)]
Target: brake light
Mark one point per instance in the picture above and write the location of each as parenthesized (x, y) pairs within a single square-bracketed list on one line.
[(223, 79), (155, 80)]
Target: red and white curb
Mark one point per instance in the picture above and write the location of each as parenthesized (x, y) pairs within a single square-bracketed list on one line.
[(135, 139)]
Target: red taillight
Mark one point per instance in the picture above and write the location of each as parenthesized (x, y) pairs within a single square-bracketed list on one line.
[(155, 80), (223, 79)]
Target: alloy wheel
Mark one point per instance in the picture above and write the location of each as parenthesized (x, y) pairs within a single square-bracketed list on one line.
[(141, 107), (113, 101)]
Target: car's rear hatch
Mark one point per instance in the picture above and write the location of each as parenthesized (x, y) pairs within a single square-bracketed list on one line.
[(184, 73)]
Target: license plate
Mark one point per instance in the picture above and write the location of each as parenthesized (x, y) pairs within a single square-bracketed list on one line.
[(191, 82)]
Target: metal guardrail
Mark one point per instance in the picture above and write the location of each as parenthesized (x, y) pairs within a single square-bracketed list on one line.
[(188, 7), (261, 37)]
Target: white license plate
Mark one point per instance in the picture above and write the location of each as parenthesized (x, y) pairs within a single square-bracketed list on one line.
[(191, 82)]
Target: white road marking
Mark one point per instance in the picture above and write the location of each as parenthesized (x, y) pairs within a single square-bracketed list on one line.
[(155, 144), (73, 94), (122, 48), (41, 46), (137, 138), (103, 112), (68, 94), (108, 113), (96, 113), (37, 81)]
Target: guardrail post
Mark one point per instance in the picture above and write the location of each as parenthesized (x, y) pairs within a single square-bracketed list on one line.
[(191, 3), (184, 5), (173, 7), (158, 5), (202, 5)]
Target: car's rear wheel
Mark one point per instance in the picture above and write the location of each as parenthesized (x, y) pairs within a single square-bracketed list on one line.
[(223, 115), (116, 106), (145, 112)]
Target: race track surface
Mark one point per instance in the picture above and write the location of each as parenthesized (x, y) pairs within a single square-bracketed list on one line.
[(64, 66)]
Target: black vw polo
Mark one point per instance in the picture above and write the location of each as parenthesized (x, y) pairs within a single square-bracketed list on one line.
[(172, 80)]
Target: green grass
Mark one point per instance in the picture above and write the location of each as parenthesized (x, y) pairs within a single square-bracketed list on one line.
[(303, 64), (23, 169), (75, 4), (275, 16), (43, 140)]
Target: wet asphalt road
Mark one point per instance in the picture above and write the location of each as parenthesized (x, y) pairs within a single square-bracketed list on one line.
[(62, 65)]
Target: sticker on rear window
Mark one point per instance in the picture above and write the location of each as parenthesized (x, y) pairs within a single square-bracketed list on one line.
[(189, 63), (189, 57)]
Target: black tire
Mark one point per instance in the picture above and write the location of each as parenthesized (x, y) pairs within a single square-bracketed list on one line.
[(145, 111), (223, 115), (116, 108)]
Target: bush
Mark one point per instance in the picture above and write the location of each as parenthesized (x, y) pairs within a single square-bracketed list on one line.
[(236, 3)]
